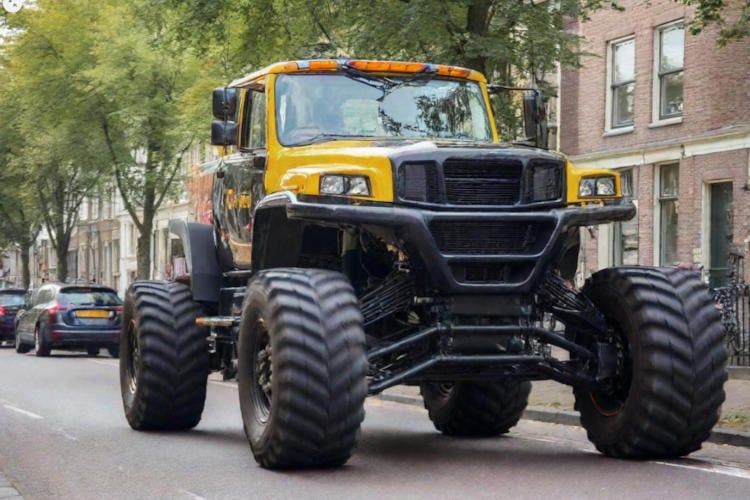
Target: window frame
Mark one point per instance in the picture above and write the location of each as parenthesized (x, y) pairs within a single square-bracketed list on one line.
[(612, 86), (658, 118)]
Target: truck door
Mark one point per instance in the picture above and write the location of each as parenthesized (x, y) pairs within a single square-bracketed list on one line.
[(241, 185)]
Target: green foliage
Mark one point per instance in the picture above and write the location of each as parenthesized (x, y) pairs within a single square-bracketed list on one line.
[(732, 17)]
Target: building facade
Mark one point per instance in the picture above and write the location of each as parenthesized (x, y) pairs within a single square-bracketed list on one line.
[(671, 112)]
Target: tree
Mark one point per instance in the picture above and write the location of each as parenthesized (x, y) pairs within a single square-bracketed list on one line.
[(732, 17), (19, 220), (56, 146), (140, 83)]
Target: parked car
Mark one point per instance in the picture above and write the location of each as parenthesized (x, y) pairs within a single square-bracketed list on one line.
[(73, 317), (11, 300)]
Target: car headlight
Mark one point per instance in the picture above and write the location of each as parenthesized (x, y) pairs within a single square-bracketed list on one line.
[(346, 185), (597, 186)]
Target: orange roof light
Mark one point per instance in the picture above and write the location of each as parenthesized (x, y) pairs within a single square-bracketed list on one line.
[(453, 71), (387, 66)]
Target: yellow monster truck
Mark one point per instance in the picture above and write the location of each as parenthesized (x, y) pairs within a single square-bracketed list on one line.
[(370, 229)]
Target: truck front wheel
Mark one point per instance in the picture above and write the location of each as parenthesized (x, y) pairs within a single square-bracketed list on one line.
[(163, 357), (475, 409), (301, 368), (668, 387)]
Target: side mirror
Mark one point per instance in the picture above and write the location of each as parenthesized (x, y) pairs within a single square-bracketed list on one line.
[(535, 119), (534, 113), (224, 103), (223, 133)]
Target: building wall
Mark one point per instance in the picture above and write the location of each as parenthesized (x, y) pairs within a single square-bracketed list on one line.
[(716, 91), (711, 142)]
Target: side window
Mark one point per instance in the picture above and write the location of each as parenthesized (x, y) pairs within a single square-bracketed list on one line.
[(669, 68), (621, 79), (253, 134), (258, 120)]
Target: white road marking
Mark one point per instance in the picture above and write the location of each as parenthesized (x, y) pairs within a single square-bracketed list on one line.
[(23, 412), (712, 468), (192, 495), (112, 362), (66, 434)]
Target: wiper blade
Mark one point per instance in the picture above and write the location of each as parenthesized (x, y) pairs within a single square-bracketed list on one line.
[(323, 137)]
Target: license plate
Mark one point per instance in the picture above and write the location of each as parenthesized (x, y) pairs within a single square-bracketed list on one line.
[(92, 314)]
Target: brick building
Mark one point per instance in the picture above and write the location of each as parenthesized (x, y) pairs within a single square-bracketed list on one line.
[(671, 112)]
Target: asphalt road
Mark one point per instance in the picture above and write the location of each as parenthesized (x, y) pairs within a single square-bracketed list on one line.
[(63, 435)]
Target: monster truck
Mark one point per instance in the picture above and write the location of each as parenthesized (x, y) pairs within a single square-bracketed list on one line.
[(370, 229)]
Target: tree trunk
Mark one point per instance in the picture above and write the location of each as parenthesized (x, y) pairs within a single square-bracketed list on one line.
[(61, 251), (143, 253), (25, 265), (476, 25)]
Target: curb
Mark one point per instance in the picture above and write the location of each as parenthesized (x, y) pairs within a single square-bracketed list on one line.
[(572, 418)]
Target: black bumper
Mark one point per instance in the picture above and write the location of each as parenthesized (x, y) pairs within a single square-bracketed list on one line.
[(412, 227)]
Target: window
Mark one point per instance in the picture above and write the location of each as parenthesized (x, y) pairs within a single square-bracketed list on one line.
[(668, 189), (670, 59), (254, 129), (621, 77)]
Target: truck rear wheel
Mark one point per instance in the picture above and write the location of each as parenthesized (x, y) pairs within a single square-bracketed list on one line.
[(163, 357), (475, 409), (669, 387), (301, 368)]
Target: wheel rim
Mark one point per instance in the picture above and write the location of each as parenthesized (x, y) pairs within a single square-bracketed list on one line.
[(37, 341), (133, 358), (445, 389), (262, 372), (612, 401)]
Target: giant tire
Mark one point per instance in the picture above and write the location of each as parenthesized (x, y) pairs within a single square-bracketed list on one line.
[(673, 364), (475, 409), (163, 357), (302, 368)]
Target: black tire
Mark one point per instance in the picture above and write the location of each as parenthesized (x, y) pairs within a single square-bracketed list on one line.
[(301, 368), (41, 348), (21, 348), (163, 357), (92, 351), (475, 409), (669, 389), (114, 351)]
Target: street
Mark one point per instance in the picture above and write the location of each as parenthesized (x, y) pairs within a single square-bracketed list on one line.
[(64, 436)]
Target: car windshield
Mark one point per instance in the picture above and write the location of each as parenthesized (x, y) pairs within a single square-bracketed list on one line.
[(11, 299), (317, 107), (89, 297)]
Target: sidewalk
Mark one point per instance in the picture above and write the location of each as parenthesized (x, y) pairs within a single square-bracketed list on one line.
[(553, 402)]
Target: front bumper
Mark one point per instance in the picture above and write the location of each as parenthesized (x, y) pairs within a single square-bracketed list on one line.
[(446, 271)]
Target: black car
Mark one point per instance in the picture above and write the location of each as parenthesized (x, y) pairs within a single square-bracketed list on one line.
[(11, 300), (75, 317)]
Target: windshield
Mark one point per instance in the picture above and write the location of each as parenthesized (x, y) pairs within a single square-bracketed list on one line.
[(311, 108)]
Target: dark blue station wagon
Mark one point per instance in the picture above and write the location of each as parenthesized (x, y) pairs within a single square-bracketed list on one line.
[(72, 317)]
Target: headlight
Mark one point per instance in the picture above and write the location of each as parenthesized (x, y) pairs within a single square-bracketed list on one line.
[(347, 185), (596, 186)]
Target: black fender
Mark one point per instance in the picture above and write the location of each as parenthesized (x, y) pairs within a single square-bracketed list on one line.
[(201, 258), (278, 241)]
